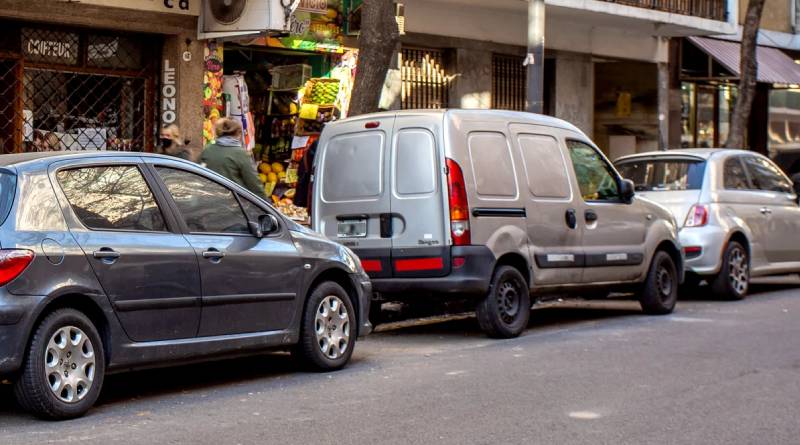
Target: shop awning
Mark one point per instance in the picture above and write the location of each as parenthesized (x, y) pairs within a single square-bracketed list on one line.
[(774, 66)]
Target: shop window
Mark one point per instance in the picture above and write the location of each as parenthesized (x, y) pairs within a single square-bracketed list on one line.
[(784, 120), (425, 82), (76, 90), (509, 83), (706, 112)]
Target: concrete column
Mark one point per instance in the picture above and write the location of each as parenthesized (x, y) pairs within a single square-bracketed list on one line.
[(575, 90), (182, 73), (472, 87), (663, 106)]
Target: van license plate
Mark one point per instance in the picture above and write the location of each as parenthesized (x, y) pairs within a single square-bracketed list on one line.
[(352, 228)]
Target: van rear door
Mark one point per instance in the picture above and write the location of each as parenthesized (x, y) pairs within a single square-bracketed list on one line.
[(352, 196), (419, 236)]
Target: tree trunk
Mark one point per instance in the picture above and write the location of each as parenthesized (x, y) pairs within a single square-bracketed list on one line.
[(748, 75), (377, 44)]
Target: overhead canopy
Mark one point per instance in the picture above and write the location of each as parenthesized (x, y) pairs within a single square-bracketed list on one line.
[(774, 66)]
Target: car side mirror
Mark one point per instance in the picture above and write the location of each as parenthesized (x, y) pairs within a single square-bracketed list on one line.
[(266, 225), (627, 190)]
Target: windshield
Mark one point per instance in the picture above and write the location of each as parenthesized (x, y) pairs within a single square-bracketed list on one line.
[(651, 175)]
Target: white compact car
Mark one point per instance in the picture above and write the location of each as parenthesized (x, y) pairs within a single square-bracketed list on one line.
[(738, 212)]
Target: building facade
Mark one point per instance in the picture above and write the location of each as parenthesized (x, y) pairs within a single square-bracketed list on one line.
[(607, 66), (97, 74)]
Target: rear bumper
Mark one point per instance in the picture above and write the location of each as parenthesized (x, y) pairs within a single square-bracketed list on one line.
[(16, 316), (711, 240), (473, 277)]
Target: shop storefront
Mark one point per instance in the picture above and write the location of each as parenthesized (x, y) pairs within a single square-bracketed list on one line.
[(709, 87), (283, 90), (97, 74), (76, 89)]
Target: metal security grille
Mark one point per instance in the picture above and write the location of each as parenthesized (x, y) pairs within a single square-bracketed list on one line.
[(508, 83), (425, 81), (75, 90)]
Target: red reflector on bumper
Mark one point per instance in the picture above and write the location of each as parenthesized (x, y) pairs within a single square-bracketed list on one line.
[(417, 264), (372, 265), (459, 262)]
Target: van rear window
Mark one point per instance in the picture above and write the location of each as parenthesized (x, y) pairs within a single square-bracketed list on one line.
[(353, 167), (652, 175), (8, 186)]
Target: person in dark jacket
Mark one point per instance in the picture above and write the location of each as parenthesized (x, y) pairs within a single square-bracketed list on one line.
[(227, 157), (173, 144)]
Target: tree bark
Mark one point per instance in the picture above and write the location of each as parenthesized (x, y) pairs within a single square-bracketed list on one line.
[(377, 43), (748, 75)]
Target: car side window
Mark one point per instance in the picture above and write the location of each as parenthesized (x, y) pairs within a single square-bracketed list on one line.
[(206, 206), (252, 211), (112, 198), (766, 176), (733, 175), (596, 179)]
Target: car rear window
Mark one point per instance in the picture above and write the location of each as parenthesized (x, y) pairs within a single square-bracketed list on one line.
[(8, 185), (651, 175)]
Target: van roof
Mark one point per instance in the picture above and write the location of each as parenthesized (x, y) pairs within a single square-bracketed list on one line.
[(504, 115)]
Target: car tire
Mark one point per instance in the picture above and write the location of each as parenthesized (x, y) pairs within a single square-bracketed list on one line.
[(506, 309), (329, 329), (733, 280), (64, 367), (659, 293)]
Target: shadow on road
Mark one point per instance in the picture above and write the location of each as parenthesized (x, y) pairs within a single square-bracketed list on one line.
[(757, 286)]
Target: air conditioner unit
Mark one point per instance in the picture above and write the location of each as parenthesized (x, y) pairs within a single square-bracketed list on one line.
[(230, 18)]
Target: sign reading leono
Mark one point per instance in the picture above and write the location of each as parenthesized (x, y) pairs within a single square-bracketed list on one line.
[(169, 94)]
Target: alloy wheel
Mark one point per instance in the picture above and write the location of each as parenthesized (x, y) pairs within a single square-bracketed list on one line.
[(69, 362), (738, 270), (332, 327)]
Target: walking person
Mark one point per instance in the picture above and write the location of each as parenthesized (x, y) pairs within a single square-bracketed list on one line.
[(227, 157), (173, 144)]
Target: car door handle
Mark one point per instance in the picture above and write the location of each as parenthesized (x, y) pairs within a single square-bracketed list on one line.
[(571, 218), (106, 254), (591, 216), (766, 211), (213, 254)]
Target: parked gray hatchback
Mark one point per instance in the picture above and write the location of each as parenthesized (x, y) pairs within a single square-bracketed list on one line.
[(115, 261)]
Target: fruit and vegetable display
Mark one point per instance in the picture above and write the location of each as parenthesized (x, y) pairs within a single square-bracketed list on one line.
[(324, 92)]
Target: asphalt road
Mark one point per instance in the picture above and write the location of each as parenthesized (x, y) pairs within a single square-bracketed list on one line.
[(594, 373)]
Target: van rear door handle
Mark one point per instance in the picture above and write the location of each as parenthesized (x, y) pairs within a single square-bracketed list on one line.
[(591, 216), (571, 218), (387, 231)]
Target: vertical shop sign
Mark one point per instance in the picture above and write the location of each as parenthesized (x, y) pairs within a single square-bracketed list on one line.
[(169, 93)]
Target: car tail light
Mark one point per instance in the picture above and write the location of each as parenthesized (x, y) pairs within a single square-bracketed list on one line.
[(697, 217), (459, 208), (12, 263), (692, 251)]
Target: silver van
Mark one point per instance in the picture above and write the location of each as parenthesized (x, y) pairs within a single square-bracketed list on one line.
[(491, 204)]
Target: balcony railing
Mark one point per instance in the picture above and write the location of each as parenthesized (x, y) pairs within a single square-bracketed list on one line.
[(707, 9)]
